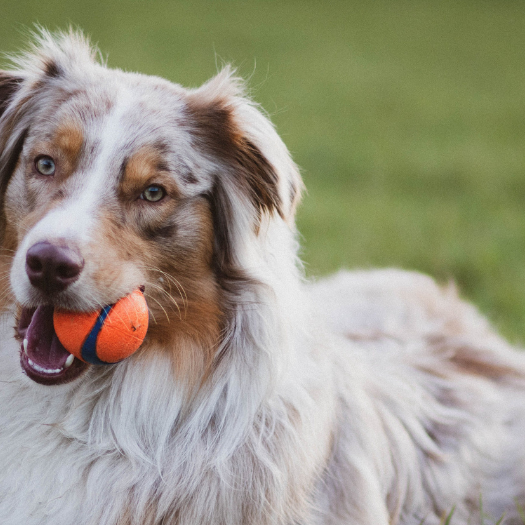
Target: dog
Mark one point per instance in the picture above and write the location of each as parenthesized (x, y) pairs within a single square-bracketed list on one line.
[(371, 397)]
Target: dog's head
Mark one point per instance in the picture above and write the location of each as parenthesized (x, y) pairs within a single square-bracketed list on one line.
[(111, 180)]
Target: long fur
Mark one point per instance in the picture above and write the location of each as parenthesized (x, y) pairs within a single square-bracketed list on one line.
[(369, 398)]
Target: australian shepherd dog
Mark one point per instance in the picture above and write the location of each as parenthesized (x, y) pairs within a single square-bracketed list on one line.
[(256, 398)]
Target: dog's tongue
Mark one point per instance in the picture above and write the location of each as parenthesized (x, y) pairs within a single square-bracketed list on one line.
[(43, 346)]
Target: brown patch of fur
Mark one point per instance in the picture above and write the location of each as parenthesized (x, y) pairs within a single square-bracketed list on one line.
[(458, 356), (52, 69), (217, 132), (146, 166), (474, 361), (65, 147), (70, 137), (183, 298)]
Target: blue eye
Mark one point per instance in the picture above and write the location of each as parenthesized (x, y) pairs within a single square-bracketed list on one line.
[(45, 165), (153, 194)]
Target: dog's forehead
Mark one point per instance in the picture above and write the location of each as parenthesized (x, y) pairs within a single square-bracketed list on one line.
[(121, 115)]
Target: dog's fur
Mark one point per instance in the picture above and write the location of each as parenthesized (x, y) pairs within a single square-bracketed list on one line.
[(370, 398)]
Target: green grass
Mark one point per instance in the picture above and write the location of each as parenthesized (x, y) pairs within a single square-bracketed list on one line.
[(407, 118)]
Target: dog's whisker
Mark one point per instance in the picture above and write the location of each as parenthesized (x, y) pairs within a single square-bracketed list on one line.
[(177, 284), (160, 305), (166, 294), (171, 279)]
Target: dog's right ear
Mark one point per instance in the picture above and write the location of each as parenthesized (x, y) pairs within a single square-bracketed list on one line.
[(11, 139), (9, 85)]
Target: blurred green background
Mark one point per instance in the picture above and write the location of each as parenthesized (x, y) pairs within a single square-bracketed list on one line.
[(407, 118)]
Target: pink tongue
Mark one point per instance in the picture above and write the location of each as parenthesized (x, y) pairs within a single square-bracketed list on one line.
[(43, 346)]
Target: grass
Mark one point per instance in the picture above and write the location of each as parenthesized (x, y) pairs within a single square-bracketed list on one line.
[(407, 118)]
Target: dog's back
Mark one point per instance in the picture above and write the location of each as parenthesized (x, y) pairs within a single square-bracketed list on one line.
[(442, 420)]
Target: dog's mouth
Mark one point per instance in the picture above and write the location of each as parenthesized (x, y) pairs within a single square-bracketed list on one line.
[(42, 356)]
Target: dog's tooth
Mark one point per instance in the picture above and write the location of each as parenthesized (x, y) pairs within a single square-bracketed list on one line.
[(43, 370), (25, 346), (69, 361)]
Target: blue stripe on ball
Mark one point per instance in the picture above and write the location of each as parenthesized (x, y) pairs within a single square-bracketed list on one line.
[(89, 348)]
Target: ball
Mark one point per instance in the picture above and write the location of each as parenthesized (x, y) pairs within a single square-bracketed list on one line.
[(105, 336)]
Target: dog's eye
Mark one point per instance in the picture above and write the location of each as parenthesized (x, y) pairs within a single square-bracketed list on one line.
[(153, 194), (45, 165)]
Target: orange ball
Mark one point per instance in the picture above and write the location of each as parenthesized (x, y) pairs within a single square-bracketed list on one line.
[(106, 336)]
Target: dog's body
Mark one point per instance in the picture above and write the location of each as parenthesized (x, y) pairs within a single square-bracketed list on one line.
[(371, 398)]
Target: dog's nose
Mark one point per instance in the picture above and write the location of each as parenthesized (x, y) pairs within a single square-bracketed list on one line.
[(53, 268)]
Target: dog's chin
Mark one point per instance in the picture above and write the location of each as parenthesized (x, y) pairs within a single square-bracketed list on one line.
[(43, 358)]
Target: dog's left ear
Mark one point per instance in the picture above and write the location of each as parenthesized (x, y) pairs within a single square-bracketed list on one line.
[(257, 164)]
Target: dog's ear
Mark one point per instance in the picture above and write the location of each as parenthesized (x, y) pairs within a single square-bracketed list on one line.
[(256, 179), (11, 140), (233, 129), (9, 85)]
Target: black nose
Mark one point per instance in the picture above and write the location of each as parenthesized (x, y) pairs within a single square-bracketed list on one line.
[(53, 268)]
